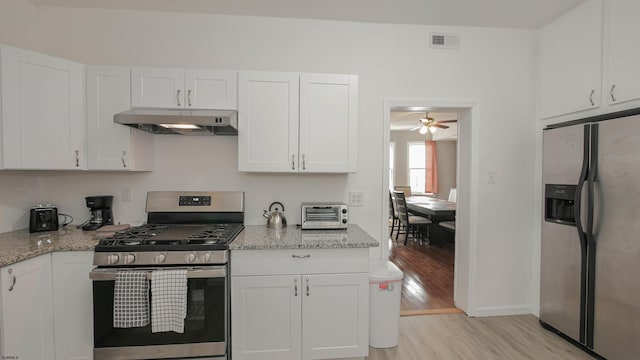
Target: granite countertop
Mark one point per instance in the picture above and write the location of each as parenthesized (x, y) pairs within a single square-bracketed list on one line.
[(19, 245), (259, 237)]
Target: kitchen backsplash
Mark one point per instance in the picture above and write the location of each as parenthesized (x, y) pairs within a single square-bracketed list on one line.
[(182, 163)]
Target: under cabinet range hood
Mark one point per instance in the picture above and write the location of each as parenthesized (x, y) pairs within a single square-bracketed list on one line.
[(180, 121)]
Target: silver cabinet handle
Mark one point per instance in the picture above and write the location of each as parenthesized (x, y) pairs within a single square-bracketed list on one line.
[(293, 162), (295, 287), (304, 162), (301, 256), (124, 153), (13, 279), (77, 158), (189, 97), (307, 286), (591, 97), (613, 97), (178, 97)]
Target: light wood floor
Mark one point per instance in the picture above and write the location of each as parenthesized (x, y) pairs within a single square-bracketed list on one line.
[(456, 336)]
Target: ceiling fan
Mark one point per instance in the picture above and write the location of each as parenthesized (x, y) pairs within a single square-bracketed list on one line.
[(427, 123)]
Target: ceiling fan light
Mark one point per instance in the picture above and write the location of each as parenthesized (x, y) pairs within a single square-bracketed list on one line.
[(432, 129), (423, 130)]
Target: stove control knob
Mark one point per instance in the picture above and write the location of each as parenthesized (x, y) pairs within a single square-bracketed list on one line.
[(191, 257), (207, 257), (113, 259), (160, 258), (129, 258)]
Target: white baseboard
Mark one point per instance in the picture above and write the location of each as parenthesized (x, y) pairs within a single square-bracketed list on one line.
[(524, 309)]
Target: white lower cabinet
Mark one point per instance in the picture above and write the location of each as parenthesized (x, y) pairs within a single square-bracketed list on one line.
[(305, 307), (46, 308), (266, 317), (27, 310), (72, 305)]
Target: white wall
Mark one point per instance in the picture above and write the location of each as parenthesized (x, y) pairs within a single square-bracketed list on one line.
[(493, 67), (18, 24), (445, 152)]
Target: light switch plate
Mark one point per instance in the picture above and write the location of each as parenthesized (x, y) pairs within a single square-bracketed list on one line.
[(356, 198)]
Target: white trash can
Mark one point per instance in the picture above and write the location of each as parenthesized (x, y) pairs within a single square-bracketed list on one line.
[(385, 287)]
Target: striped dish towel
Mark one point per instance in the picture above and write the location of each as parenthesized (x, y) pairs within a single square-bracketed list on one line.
[(131, 299), (168, 300)]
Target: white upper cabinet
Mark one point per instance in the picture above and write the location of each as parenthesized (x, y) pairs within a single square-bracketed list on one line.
[(297, 122), (268, 121), (571, 61), (180, 88), (42, 111), (589, 62), (328, 122), (623, 52), (114, 146)]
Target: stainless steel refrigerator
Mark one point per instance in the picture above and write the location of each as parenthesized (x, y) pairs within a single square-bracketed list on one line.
[(590, 254)]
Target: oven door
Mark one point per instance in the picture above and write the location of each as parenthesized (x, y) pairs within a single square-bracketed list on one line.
[(205, 328)]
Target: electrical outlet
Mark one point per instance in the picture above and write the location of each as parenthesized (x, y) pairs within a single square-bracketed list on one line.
[(491, 177), (356, 198), (125, 194)]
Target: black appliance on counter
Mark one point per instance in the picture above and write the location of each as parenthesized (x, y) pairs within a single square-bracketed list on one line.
[(185, 230), (43, 218), (100, 213)]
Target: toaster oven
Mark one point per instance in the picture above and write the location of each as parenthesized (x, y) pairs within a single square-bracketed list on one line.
[(325, 215)]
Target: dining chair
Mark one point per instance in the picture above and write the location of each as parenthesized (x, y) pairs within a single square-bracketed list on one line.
[(409, 223), (404, 188), (453, 194), (449, 225), (393, 213)]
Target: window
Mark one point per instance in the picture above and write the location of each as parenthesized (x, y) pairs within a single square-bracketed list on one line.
[(392, 157), (417, 162)]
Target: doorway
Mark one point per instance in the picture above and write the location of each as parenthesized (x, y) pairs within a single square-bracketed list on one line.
[(436, 274)]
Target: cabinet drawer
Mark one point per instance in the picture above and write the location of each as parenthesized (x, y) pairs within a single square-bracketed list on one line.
[(299, 261)]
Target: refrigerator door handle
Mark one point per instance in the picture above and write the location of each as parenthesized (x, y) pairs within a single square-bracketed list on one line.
[(584, 176), (582, 235), (591, 241)]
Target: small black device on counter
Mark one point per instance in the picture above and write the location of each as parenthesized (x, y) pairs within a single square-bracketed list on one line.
[(100, 213), (43, 218)]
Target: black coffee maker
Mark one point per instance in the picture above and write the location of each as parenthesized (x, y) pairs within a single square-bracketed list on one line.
[(99, 211)]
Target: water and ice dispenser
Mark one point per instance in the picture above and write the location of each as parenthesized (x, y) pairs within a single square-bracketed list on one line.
[(559, 203)]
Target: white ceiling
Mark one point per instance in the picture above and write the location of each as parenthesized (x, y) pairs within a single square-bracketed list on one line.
[(527, 14)]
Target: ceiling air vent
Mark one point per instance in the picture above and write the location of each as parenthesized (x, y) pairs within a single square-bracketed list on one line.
[(445, 41)]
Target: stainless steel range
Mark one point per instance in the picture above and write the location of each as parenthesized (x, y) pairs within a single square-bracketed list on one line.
[(184, 230)]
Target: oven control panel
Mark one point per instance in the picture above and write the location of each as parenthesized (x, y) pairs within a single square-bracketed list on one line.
[(159, 258), (194, 201)]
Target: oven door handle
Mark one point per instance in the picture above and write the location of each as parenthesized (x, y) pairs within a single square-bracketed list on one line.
[(110, 275)]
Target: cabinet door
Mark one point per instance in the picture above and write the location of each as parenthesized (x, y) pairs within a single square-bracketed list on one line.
[(211, 89), (623, 55), (27, 312), (571, 65), (328, 122), (113, 146), (335, 313), (265, 317), (42, 112), (157, 87), (268, 121), (73, 305)]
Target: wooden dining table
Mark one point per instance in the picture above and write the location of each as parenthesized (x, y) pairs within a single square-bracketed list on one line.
[(436, 210)]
